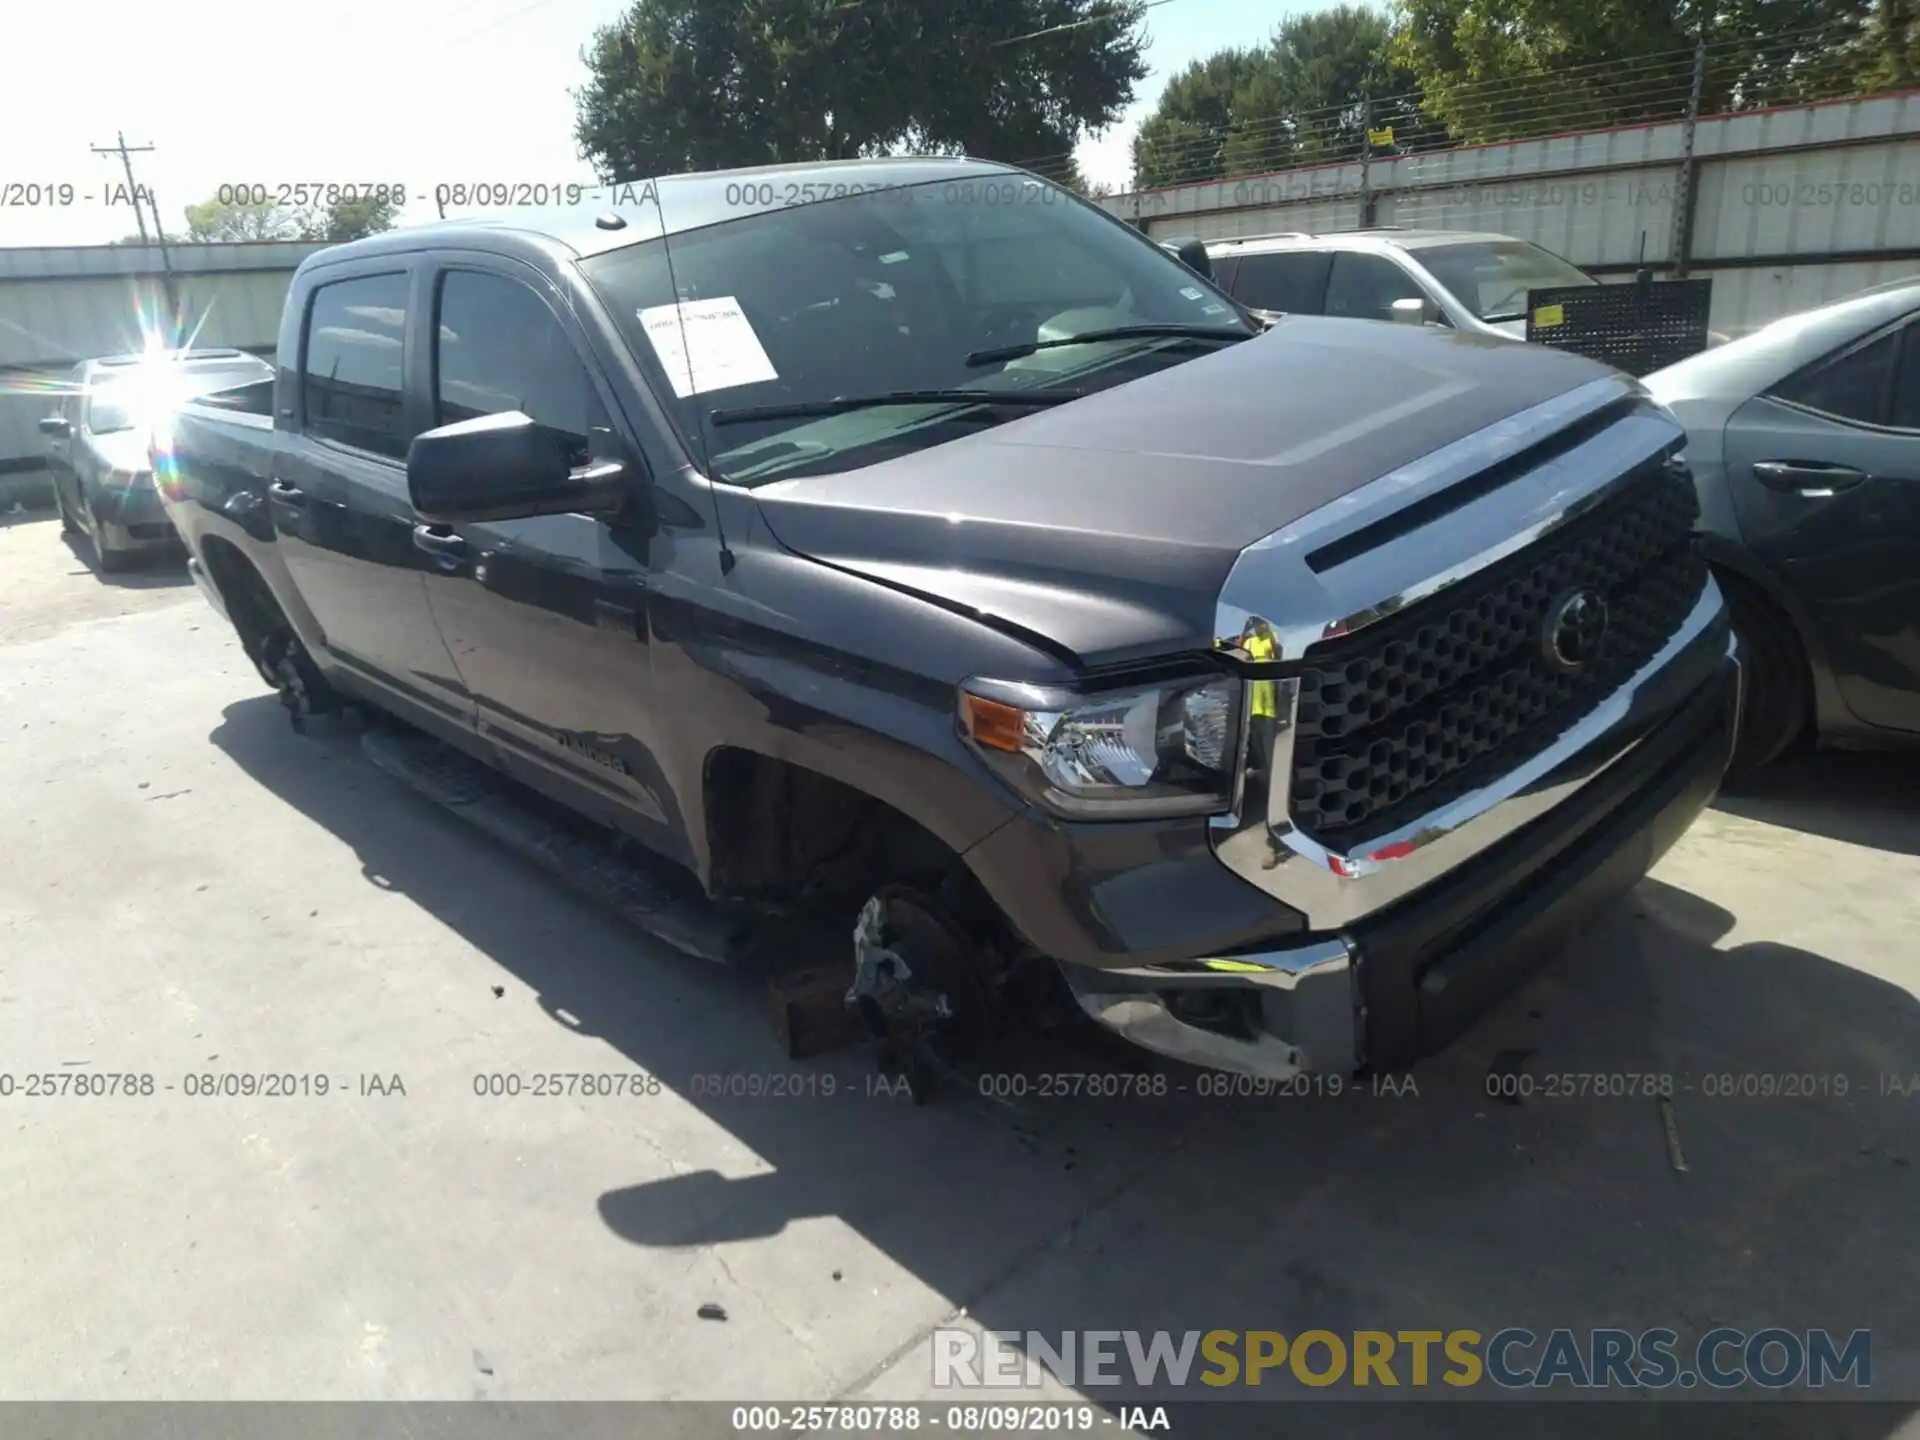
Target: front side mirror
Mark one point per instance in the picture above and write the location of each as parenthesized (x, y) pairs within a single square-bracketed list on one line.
[(1192, 253), (1412, 311), (505, 467), (55, 426)]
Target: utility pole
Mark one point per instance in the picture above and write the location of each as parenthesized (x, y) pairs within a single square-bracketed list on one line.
[(126, 153), (177, 320)]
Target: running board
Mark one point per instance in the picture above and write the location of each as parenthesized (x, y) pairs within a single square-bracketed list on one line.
[(655, 895)]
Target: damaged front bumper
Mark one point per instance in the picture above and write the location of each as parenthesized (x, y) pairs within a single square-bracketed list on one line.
[(1404, 980)]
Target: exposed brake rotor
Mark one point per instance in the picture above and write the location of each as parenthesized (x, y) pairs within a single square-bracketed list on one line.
[(918, 985)]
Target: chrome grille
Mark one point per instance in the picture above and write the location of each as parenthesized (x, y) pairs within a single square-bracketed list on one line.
[(1427, 703)]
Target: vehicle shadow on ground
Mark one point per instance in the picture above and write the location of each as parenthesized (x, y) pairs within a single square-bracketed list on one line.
[(26, 515), (1494, 1188), (1863, 799), (161, 568)]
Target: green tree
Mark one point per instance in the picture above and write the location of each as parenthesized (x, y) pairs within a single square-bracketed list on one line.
[(1496, 69), (216, 220), (351, 219), (678, 85), (1306, 97)]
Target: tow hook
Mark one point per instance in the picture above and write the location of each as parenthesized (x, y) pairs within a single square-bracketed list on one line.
[(915, 987)]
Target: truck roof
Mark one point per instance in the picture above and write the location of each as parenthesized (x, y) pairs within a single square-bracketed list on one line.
[(674, 204)]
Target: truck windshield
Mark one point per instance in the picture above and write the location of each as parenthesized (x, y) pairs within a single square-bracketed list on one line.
[(894, 292), (1492, 277)]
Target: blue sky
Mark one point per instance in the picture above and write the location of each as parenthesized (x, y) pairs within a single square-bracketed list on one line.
[(412, 92)]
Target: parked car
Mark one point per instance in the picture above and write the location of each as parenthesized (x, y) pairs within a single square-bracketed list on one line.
[(1473, 282), (945, 559), (97, 441), (1804, 440)]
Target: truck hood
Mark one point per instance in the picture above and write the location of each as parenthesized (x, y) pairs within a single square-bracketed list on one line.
[(1104, 529)]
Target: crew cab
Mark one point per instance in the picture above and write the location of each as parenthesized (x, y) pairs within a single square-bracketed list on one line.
[(912, 544)]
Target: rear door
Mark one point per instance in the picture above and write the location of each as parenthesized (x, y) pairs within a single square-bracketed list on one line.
[(546, 617), (1826, 479), (1292, 282), (338, 495)]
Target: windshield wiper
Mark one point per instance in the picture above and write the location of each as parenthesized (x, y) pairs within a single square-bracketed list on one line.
[(1117, 332), (843, 404)]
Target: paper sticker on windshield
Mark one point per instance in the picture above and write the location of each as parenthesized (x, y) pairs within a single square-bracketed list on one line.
[(1191, 292), (1214, 310), (706, 345), (1547, 316), (893, 257)]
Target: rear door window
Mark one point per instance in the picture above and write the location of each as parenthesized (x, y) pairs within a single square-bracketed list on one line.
[(1905, 413), (1364, 287), (1857, 385), (352, 378), (1293, 281)]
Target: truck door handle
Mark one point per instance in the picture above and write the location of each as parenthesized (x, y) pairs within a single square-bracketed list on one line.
[(1806, 477), (287, 494), (440, 543)]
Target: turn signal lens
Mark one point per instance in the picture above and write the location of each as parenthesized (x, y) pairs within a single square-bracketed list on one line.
[(990, 723)]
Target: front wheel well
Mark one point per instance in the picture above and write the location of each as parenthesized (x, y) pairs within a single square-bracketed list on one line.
[(779, 832)]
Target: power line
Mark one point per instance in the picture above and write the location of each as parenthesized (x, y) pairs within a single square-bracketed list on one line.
[(1106, 19)]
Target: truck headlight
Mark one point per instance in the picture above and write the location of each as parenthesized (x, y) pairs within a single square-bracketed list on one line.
[(1169, 748)]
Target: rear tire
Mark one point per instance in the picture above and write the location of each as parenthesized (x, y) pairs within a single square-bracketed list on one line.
[(1779, 698)]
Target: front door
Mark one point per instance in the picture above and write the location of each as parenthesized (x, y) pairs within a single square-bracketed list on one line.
[(1826, 474), (338, 497), (547, 617)]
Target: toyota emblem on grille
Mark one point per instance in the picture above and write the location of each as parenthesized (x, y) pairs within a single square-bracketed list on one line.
[(1575, 629)]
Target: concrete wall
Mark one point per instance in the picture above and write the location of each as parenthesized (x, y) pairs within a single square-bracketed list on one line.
[(59, 306), (1792, 207)]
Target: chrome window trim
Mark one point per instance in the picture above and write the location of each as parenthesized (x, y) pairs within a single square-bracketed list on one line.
[(1333, 888)]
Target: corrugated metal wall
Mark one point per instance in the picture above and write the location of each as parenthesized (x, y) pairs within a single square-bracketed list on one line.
[(1793, 207), (60, 306)]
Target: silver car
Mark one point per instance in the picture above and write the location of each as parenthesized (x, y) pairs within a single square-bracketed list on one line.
[(1469, 281), (97, 441)]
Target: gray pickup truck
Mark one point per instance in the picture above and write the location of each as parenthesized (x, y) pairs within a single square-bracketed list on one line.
[(910, 544)]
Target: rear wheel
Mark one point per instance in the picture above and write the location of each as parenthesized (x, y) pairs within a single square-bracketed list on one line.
[(1779, 687)]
